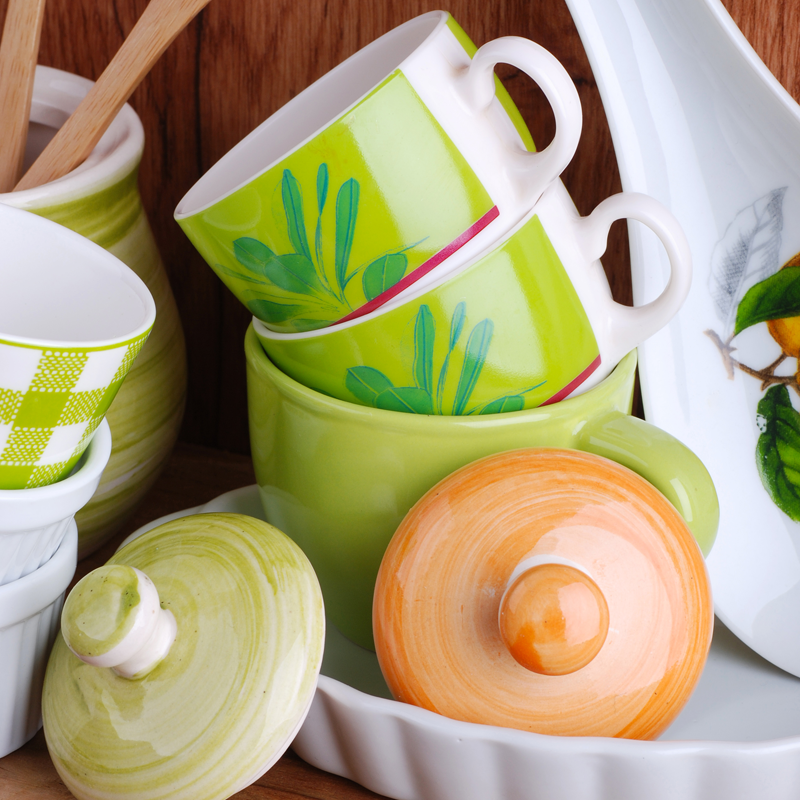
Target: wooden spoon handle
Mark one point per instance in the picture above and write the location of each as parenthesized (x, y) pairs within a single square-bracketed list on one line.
[(19, 49), (156, 29)]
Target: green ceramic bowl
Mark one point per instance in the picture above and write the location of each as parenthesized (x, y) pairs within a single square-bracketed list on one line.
[(409, 155), (525, 324), (339, 477)]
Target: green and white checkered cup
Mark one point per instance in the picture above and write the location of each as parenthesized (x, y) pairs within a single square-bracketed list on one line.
[(72, 320)]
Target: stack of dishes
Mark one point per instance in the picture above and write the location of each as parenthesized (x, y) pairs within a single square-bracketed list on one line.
[(421, 280), (72, 320)]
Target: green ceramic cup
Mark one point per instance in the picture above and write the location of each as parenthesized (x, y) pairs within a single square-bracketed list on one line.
[(339, 478), (407, 157), (100, 200), (525, 324)]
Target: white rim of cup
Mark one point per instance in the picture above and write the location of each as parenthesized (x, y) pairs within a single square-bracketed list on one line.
[(56, 94), (109, 261), (287, 109), (23, 509), (31, 594)]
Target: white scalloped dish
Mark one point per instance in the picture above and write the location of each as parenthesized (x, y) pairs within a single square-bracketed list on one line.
[(738, 738)]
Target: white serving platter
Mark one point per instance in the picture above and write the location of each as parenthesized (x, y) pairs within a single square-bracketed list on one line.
[(738, 738), (699, 123)]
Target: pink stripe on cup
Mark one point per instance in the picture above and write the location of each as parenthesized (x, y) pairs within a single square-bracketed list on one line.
[(424, 268), (573, 384)]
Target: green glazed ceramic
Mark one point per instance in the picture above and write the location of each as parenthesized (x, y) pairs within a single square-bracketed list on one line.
[(101, 201), (395, 162), (339, 477), (528, 322), (507, 333), (223, 700)]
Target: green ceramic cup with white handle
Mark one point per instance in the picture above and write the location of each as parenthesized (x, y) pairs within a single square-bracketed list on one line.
[(527, 323), (73, 318), (339, 477), (100, 199), (407, 157)]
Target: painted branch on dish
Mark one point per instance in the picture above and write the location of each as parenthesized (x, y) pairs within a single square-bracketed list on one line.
[(750, 287)]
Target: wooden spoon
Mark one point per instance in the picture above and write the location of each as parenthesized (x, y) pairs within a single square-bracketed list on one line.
[(156, 29), (19, 49)]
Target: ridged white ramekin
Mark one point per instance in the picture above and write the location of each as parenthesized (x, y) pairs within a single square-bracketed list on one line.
[(30, 615), (33, 521)]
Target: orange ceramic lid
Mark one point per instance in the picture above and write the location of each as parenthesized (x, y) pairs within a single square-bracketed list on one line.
[(547, 590)]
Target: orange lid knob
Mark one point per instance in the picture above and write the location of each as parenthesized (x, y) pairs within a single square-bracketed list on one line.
[(553, 619)]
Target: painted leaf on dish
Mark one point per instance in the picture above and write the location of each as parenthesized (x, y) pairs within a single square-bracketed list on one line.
[(238, 275), (346, 214), (776, 297), (405, 398), (270, 311), (322, 186), (304, 273), (424, 338), (747, 253), (366, 383), (778, 450), (252, 254), (291, 272), (322, 196), (456, 326), (371, 387), (477, 348), (514, 402), (383, 273), (295, 219)]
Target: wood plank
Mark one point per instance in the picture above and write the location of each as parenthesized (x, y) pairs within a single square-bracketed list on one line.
[(242, 59)]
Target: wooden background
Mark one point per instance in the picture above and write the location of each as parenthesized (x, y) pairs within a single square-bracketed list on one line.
[(241, 60)]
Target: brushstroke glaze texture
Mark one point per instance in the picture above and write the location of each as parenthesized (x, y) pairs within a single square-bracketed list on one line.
[(101, 201), (226, 701), (408, 155), (595, 540), (339, 478)]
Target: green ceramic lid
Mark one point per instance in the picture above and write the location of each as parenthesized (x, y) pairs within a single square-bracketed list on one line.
[(204, 639)]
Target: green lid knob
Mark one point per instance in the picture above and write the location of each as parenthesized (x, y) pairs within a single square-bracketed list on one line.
[(113, 618)]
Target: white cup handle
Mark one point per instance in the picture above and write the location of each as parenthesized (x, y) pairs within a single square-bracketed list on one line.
[(530, 173), (625, 327)]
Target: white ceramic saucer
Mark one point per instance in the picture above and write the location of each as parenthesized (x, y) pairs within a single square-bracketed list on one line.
[(738, 738), (700, 124)]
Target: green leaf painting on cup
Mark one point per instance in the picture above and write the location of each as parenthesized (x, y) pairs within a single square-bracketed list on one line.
[(296, 287), (750, 287), (426, 393), (364, 202)]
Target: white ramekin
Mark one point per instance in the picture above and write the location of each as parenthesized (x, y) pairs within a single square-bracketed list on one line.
[(30, 616), (33, 521)]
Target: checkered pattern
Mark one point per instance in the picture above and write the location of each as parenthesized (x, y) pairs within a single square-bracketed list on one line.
[(51, 404)]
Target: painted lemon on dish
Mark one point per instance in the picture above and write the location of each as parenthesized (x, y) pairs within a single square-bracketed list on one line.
[(786, 332), (226, 701)]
